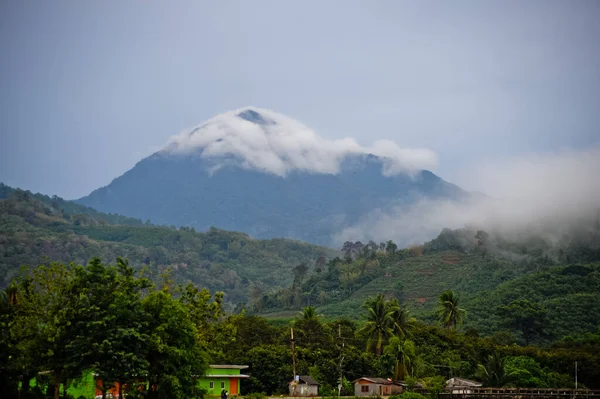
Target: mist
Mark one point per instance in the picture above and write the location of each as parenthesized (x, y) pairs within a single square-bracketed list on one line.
[(546, 195), (267, 141)]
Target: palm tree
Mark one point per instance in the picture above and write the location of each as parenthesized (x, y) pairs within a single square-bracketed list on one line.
[(448, 311), (379, 325), (309, 313), (492, 373), (400, 316), (403, 352)]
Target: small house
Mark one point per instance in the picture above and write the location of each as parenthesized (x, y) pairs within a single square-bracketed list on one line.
[(458, 385), (372, 386), (222, 376), (304, 385)]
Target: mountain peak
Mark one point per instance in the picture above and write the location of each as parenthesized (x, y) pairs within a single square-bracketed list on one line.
[(261, 139), (250, 115)]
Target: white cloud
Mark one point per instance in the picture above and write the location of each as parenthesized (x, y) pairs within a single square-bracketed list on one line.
[(277, 144), (540, 193)]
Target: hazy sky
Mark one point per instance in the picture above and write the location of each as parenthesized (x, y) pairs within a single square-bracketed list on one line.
[(87, 89)]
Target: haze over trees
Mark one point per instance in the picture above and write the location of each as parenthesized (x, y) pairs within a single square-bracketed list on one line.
[(528, 308)]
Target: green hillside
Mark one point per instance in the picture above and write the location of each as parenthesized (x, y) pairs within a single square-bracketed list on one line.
[(564, 300), (505, 287), (418, 280), (35, 228)]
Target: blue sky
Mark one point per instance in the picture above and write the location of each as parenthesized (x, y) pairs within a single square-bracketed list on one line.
[(90, 88)]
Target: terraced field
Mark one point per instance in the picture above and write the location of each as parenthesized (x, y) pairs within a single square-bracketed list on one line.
[(418, 281)]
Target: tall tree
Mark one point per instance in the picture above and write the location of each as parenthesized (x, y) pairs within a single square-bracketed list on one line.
[(309, 313), (380, 324), (492, 372), (402, 352), (390, 247), (174, 356), (402, 323), (109, 323), (43, 324), (525, 316), (448, 311)]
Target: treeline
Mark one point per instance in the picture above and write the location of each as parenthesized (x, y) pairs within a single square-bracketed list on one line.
[(34, 228), (329, 281), (63, 321)]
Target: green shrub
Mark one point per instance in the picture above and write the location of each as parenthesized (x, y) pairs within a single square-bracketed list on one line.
[(411, 395), (256, 395)]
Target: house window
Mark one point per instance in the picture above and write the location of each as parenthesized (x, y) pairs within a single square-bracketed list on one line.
[(222, 384), (211, 385), (364, 388)]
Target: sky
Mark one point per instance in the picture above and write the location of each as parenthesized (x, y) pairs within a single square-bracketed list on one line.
[(87, 89)]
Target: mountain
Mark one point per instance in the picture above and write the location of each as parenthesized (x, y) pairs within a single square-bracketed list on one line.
[(36, 229), (259, 172)]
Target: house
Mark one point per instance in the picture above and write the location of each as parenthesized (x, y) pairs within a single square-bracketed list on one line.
[(461, 385), (304, 385), (222, 376), (371, 386)]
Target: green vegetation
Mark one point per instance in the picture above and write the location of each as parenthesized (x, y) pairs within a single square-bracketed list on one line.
[(62, 321), (59, 322), (508, 289), (34, 228), (469, 303)]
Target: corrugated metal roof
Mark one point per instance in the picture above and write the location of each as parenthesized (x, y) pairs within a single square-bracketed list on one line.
[(378, 380), (308, 380)]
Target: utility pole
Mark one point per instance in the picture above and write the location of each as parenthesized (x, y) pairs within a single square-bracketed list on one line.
[(575, 374), (341, 360), (293, 362)]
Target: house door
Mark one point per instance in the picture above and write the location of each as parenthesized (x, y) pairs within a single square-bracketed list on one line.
[(233, 386)]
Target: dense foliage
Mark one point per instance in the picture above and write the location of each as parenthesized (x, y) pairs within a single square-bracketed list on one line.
[(506, 311), (34, 227), (62, 320), (532, 293), (57, 322)]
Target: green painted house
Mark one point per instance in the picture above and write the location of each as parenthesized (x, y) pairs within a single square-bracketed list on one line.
[(222, 376), (217, 378)]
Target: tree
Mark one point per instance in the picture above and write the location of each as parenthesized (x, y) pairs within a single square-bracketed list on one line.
[(9, 355), (109, 324), (400, 318), (492, 373), (309, 313), (402, 352), (299, 273), (174, 356), (525, 316), (390, 247), (380, 324), (450, 315), (42, 327), (524, 371)]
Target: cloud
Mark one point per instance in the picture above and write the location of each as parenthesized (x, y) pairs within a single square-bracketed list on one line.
[(543, 194), (271, 142)]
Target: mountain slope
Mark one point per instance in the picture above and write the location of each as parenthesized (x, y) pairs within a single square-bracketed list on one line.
[(37, 228), (244, 171), (537, 290)]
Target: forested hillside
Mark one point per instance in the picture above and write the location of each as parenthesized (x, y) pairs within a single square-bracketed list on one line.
[(35, 228), (535, 291)]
